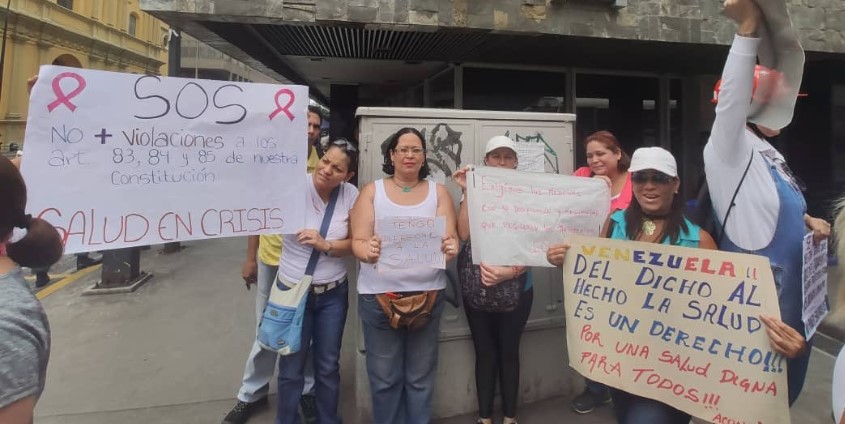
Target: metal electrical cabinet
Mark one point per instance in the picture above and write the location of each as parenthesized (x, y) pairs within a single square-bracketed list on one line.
[(455, 138)]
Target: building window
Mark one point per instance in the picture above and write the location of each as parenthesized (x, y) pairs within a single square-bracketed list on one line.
[(514, 90), (67, 4), (133, 23)]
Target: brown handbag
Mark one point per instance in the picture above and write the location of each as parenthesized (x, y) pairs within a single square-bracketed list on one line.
[(405, 310)]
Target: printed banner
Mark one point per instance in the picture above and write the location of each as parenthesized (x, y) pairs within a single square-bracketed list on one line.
[(678, 325), (117, 160), (411, 242), (814, 288), (514, 216)]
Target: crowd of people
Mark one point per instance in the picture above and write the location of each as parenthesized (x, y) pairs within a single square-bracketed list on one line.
[(758, 202)]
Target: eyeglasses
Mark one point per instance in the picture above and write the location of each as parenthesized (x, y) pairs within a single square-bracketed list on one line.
[(655, 177), (344, 144), (405, 150)]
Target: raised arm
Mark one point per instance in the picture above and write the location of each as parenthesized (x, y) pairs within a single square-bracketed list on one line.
[(734, 100)]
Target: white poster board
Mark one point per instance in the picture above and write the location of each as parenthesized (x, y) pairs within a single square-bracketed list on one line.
[(814, 285), (411, 242), (515, 216), (117, 160)]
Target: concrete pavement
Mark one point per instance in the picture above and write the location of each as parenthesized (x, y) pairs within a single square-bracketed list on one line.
[(174, 351)]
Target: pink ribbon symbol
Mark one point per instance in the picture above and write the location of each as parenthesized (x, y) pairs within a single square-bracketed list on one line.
[(280, 108), (61, 97)]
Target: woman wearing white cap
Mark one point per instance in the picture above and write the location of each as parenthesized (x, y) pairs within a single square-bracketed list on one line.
[(497, 301), (656, 215)]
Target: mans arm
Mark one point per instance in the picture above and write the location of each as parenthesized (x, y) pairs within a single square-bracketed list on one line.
[(249, 272)]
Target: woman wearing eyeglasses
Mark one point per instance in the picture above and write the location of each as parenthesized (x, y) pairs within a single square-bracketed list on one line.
[(755, 196), (328, 298), (401, 361), (656, 215)]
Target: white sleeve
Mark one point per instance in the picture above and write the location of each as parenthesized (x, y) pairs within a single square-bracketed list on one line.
[(753, 220), (728, 132)]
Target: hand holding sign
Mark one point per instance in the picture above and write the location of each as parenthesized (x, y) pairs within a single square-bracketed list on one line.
[(680, 326)]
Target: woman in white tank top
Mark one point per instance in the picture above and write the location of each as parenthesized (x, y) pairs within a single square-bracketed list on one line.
[(401, 363)]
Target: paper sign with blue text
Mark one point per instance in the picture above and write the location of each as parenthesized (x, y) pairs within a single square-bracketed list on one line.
[(678, 325), (117, 160), (515, 216), (411, 242)]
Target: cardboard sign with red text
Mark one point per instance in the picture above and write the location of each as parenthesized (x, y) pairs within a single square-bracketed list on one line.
[(117, 160), (678, 325)]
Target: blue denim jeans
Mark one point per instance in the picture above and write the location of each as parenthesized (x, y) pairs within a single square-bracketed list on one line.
[(596, 388), (401, 364), (633, 409), (322, 327)]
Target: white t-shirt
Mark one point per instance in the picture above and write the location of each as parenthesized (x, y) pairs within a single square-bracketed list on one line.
[(295, 256), (753, 220)]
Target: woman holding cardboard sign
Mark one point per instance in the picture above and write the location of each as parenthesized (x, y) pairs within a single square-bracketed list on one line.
[(497, 301), (605, 160), (401, 308), (322, 250), (656, 215)]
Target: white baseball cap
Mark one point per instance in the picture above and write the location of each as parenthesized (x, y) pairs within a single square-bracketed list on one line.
[(497, 142), (656, 158)]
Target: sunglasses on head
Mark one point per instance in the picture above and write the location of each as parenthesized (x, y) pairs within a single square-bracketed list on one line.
[(344, 144), (655, 177)]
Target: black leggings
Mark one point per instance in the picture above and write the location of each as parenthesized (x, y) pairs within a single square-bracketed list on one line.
[(496, 338)]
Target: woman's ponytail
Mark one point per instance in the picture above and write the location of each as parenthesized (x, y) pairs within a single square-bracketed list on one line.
[(40, 247)]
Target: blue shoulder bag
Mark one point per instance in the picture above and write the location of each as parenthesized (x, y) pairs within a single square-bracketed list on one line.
[(281, 323)]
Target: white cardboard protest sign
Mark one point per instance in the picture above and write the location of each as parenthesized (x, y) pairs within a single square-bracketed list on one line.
[(117, 160), (411, 242), (677, 325), (515, 216), (814, 285)]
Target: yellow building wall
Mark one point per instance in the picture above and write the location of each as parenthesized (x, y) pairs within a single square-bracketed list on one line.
[(94, 34)]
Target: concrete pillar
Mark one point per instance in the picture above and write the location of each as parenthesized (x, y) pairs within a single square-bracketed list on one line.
[(694, 134), (459, 86), (663, 118)]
